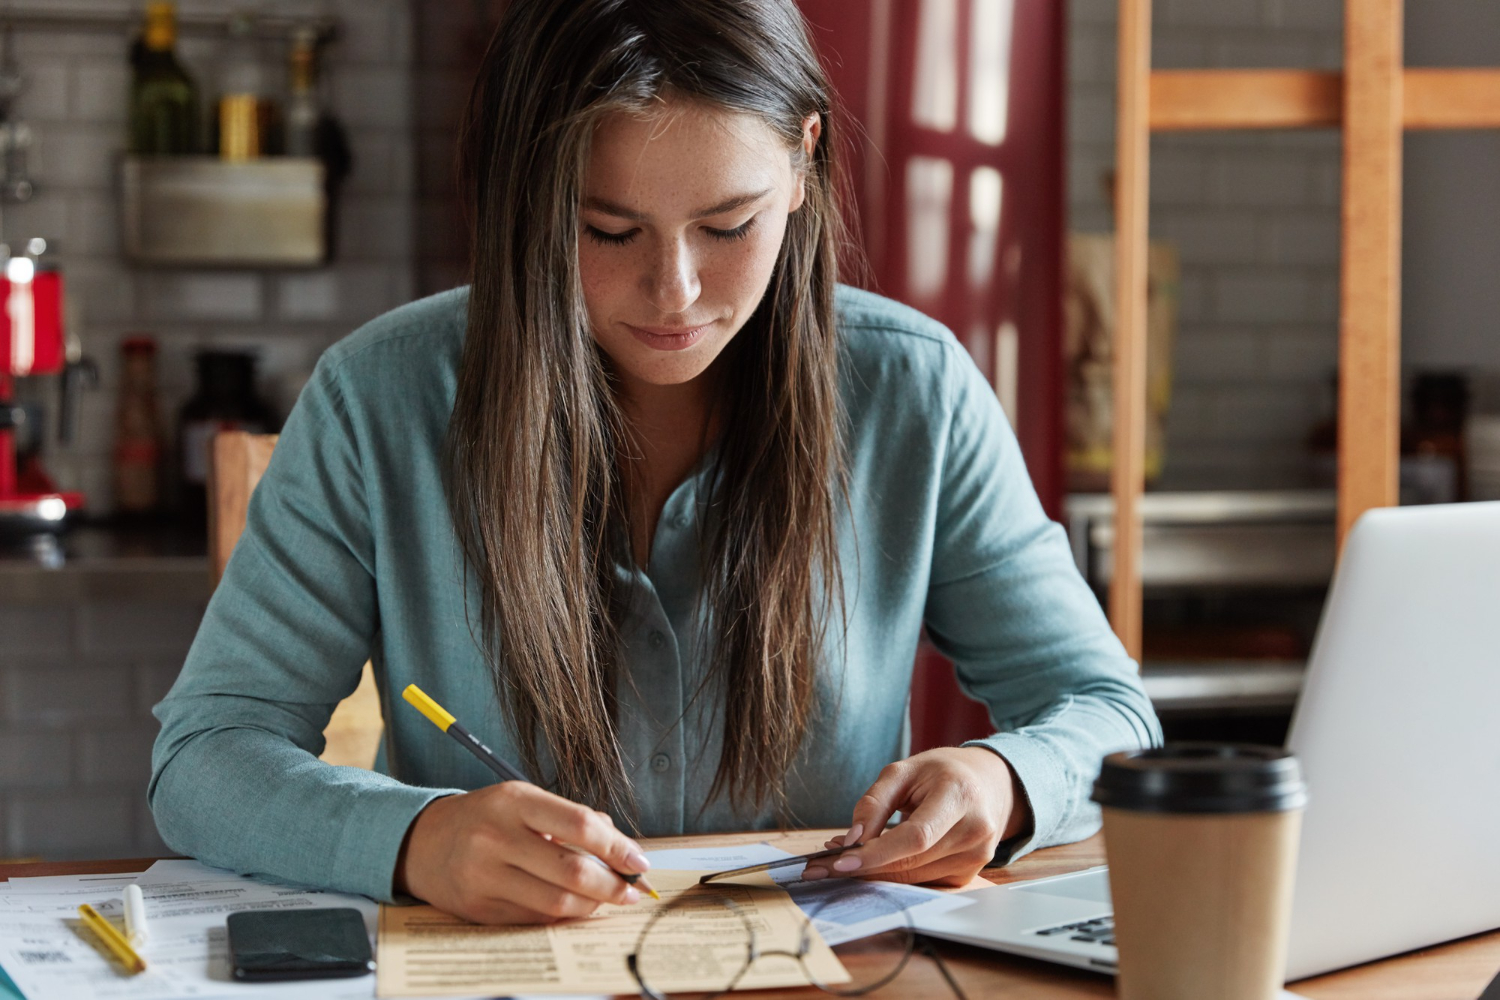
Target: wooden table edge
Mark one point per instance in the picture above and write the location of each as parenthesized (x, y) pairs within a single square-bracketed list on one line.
[(1454, 970)]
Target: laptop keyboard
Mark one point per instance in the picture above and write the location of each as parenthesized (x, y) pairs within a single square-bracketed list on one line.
[(1099, 930)]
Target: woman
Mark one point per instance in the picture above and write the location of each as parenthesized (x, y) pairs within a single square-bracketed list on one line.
[(654, 507)]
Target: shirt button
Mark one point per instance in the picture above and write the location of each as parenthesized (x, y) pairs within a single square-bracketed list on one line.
[(661, 762), (656, 639), (681, 520)]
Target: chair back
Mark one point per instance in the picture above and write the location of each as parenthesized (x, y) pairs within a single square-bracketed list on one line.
[(239, 460), (352, 736)]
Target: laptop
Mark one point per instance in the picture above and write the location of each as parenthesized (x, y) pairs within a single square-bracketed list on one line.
[(1398, 733)]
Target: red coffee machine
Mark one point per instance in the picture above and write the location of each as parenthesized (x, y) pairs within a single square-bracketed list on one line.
[(32, 342)]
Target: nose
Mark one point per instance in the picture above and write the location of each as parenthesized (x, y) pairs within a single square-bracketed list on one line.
[(672, 281)]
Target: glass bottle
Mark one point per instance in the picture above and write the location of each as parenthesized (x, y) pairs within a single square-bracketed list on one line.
[(302, 110), (1433, 462), (163, 97), (225, 400), (138, 431)]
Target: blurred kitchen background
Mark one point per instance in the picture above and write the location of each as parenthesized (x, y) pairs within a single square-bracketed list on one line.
[(198, 293)]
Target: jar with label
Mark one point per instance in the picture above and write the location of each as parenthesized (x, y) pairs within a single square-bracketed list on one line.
[(243, 111), (138, 431), (225, 400)]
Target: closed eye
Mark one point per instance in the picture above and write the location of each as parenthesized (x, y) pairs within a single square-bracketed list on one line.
[(737, 233), (610, 239)]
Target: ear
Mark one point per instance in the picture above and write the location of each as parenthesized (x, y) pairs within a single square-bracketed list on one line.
[(812, 129)]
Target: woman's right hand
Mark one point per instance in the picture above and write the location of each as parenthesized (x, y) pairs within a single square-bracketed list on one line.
[(497, 856)]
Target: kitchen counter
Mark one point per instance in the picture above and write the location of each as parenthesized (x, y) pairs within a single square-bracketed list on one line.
[(1253, 538), (102, 560), (1233, 552)]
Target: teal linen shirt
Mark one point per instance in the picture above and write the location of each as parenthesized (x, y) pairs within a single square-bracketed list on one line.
[(349, 553)]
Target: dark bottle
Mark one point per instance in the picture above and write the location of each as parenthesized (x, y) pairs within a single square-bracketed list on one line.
[(225, 400), (309, 130), (163, 98), (1433, 463)]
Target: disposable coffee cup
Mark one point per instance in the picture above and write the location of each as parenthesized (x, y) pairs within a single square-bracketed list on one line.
[(1202, 846)]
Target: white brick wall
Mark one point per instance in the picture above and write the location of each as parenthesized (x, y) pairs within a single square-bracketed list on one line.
[(77, 683), (1255, 216), (77, 85)]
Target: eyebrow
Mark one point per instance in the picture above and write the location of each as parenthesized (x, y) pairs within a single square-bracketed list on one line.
[(728, 205)]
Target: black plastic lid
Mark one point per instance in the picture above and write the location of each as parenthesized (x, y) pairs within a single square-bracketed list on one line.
[(1202, 778)]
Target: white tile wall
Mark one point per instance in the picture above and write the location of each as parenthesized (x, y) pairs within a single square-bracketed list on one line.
[(69, 824), (76, 688), (77, 681), (448, 40), (77, 86), (1255, 216)]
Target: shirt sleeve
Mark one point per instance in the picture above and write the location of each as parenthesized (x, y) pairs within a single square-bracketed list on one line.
[(1025, 633), (235, 777)]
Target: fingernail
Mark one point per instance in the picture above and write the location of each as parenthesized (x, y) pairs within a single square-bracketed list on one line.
[(852, 837), (638, 861), (632, 894), (847, 863), (810, 874)]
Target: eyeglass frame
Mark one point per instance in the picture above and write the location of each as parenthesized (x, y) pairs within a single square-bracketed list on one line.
[(753, 954)]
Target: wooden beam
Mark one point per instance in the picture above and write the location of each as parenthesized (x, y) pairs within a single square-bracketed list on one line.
[(1184, 100), (1203, 100), (1132, 165), (1370, 287), (1452, 98)]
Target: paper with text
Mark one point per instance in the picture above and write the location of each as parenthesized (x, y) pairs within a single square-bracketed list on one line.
[(425, 952), (187, 956)]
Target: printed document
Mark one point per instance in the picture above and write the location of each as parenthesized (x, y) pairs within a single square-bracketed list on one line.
[(425, 952), (47, 958)]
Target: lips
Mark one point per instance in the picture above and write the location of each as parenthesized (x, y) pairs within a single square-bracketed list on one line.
[(669, 338), (670, 331)]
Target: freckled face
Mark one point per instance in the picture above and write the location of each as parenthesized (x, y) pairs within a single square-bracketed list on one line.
[(682, 219)]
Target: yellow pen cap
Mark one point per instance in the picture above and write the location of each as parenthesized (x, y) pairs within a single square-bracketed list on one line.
[(439, 715), (113, 939)]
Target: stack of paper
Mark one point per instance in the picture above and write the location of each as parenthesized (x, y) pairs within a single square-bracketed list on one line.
[(47, 958)]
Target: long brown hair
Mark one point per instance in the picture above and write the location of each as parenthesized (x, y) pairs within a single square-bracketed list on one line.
[(532, 457)]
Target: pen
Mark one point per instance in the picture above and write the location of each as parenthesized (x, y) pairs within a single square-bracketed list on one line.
[(779, 863), (113, 939), (135, 916), (444, 720)]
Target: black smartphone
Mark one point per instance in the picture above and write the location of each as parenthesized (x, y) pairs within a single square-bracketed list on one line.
[(326, 943)]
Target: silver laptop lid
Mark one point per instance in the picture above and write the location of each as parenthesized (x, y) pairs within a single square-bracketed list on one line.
[(1398, 731)]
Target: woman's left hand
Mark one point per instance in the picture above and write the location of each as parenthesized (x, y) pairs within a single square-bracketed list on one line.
[(958, 803)]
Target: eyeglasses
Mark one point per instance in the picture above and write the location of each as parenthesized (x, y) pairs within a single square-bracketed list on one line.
[(705, 940)]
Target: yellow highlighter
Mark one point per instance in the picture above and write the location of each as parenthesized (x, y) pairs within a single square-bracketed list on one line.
[(113, 939), (444, 720)]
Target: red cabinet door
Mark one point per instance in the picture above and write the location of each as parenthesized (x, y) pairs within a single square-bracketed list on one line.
[(958, 199)]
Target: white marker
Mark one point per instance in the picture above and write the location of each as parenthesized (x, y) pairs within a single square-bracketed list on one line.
[(135, 915)]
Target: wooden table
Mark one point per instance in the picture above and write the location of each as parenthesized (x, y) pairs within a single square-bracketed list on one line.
[(1456, 971)]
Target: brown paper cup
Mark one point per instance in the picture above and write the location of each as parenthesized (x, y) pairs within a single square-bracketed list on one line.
[(1202, 848)]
